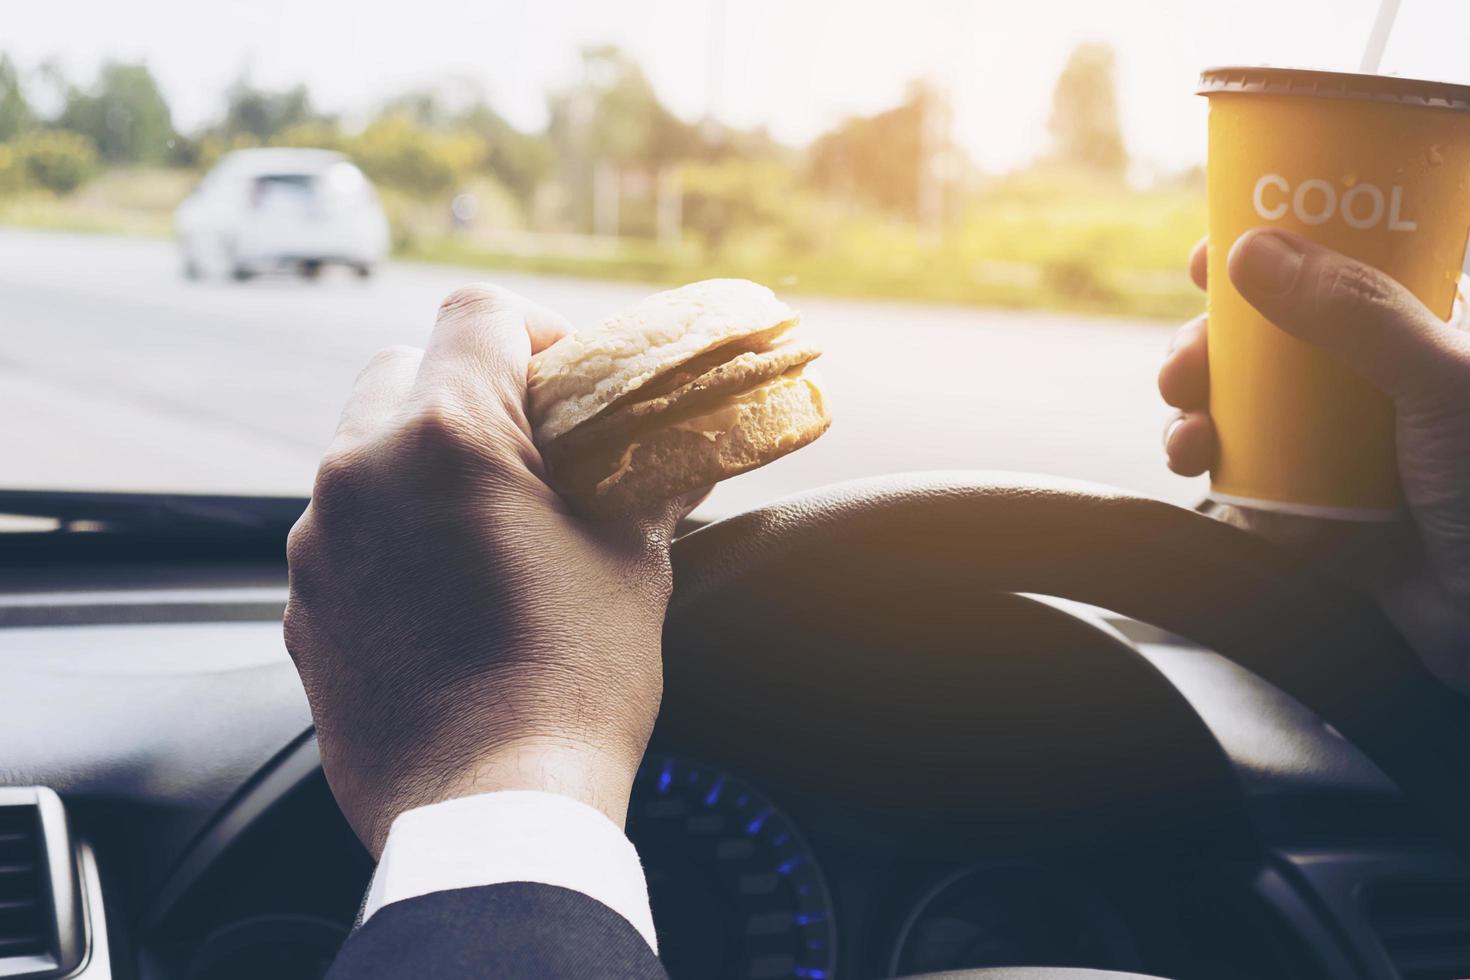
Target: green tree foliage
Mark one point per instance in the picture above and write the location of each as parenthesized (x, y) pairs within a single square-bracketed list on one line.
[(54, 159), (1085, 131), (613, 115), (735, 194), (15, 112), (250, 111), (12, 172), (425, 107), (396, 150), (877, 159), (123, 114), (323, 134), (517, 159), (520, 161)]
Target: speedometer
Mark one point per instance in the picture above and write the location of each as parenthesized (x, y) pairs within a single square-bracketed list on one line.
[(1009, 914), (735, 890)]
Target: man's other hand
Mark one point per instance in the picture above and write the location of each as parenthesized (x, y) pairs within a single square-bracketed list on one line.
[(1380, 330), (457, 629)]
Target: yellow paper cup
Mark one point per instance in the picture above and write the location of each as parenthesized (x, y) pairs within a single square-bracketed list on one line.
[(1375, 167)]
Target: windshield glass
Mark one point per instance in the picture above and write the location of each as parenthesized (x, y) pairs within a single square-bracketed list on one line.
[(212, 214)]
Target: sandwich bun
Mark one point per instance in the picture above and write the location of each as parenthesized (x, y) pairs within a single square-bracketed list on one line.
[(686, 388)]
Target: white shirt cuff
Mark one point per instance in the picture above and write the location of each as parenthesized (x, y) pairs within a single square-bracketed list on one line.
[(513, 835)]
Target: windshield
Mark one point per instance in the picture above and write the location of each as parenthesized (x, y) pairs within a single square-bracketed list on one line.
[(211, 215)]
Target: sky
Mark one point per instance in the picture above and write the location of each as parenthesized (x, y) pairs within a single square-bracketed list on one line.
[(795, 66)]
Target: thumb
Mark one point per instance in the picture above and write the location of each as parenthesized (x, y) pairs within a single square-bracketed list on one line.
[(481, 349), (1363, 316)]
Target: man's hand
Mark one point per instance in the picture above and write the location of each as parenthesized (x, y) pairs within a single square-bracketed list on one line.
[(457, 629), (1380, 330)]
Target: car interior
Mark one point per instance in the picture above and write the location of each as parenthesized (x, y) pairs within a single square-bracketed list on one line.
[(958, 724), (934, 707)]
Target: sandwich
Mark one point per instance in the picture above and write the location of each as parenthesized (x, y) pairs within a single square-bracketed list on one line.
[(686, 388)]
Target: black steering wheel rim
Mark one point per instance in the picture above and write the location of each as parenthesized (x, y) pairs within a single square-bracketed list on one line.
[(1312, 637)]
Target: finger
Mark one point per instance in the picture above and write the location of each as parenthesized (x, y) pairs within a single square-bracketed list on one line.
[(381, 388), (690, 501), (1189, 443), (481, 347), (1184, 377), (1199, 269), (545, 326), (1371, 322)]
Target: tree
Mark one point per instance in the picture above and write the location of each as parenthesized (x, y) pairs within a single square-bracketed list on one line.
[(56, 160), (123, 114), (877, 159), (317, 134), (250, 111), (15, 112), (1085, 131), (521, 161), (396, 151), (616, 116), (735, 194), (612, 116)]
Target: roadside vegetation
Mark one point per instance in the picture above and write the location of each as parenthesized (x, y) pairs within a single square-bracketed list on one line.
[(617, 186)]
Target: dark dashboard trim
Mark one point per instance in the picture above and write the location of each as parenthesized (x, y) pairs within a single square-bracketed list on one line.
[(24, 549), (96, 608), (165, 511), (1338, 882), (276, 781)]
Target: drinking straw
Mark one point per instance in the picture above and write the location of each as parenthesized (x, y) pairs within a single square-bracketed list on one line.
[(1378, 40)]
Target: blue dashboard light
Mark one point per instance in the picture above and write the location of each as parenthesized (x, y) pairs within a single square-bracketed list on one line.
[(684, 814), (785, 869), (713, 796)]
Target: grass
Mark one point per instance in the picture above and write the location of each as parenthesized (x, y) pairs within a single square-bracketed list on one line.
[(119, 202), (1038, 241), (992, 286)]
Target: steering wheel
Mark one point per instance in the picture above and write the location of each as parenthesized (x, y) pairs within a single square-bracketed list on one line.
[(890, 539)]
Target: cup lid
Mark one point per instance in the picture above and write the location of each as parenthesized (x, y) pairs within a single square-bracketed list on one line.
[(1335, 85)]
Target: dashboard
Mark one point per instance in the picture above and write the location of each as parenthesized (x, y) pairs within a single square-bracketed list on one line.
[(1104, 795)]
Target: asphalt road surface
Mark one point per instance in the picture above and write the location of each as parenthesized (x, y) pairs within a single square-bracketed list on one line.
[(116, 373)]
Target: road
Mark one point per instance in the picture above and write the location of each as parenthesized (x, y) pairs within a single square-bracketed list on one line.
[(115, 373)]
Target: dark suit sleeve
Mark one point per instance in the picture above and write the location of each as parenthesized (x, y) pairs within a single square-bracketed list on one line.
[(512, 931)]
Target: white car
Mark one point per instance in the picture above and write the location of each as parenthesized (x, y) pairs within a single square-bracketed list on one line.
[(271, 209)]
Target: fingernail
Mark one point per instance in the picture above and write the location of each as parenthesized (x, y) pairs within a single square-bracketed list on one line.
[(1270, 263), (1169, 432)]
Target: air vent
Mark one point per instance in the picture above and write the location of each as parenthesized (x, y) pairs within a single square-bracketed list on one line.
[(23, 895), (1424, 926), (39, 920)]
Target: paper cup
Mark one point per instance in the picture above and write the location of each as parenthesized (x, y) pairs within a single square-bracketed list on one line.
[(1375, 167)]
